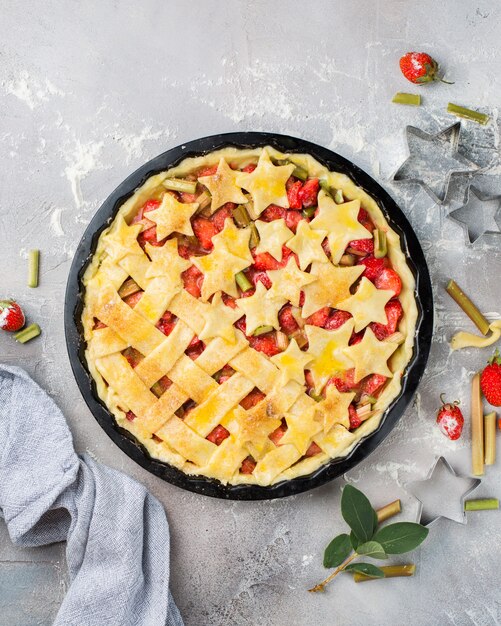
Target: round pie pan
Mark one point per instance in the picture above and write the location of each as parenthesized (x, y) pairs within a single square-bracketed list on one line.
[(74, 305)]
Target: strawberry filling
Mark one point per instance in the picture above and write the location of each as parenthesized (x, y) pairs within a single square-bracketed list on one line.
[(192, 280), (390, 280), (252, 398), (218, 435), (394, 313), (248, 465)]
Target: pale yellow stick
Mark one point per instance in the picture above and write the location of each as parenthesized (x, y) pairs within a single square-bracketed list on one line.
[(477, 428), (490, 438)]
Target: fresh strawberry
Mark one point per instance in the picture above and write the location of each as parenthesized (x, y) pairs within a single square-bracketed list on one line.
[(11, 315), (166, 323), (345, 384), (313, 449), (319, 318), (265, 343), (265, 261), (287, 321), (365, 220), (309, 192), (450, 420), (362, 245), (419, 68), (229, 301), (293, 190), (490, 380), (373, 383), (195, 342), (222, 214), (292, 219), (218, 435), (248, 464), (256, 276), (393, 312), (149, 236), (390, 280), (273, 212), (373, 266), (252, 399), (249, 168), (204, 230), (336, 320), (193, 279), (278, 433), (355, 421)]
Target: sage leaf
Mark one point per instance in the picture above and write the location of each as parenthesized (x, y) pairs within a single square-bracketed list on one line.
[(365, 568), (401, 537), (337, 551), (358, 513), (373, 549)]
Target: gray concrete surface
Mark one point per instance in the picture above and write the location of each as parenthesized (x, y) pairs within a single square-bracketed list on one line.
[(91, 90)]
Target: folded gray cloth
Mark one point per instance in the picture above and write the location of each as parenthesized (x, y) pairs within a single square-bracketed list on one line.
[(116, 531)]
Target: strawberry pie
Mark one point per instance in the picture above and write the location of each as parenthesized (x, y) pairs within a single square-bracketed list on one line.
[(248, 315)]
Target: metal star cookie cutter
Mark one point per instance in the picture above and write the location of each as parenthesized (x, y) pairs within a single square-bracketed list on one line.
[(433, 160), (480, 215), (442, 493)]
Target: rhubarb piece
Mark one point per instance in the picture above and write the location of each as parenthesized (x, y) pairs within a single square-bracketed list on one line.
[(177, 184), (310, 211), (300, 172), (468, 114), (128, 288), (261, 330), (243, 282), (254, 238), (390, 571), (412, 99), (468, 307), (483, 504), (490, 438), (477, 428), (338, 197), (347, 260), (380, 247), (391, 509), (33, 268), (241, 216), (301, 339), (204, 200), (325, 186), (28, 333), (282, 340)]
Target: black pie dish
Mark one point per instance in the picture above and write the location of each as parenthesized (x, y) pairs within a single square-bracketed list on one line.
[(76, 345)]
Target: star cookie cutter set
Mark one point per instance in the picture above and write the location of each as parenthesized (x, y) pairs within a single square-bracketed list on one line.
[(433, 161), (442, 493)]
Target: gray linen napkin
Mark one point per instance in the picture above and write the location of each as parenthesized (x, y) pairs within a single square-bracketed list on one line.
[(116, 531)]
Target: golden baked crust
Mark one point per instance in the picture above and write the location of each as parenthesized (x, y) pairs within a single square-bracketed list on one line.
[(128, 353)]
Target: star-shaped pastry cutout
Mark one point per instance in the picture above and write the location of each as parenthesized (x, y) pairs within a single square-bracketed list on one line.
[(367, 304), (219, 269), (331, 287), (334, 409), (288, 282), (266, 183), (260, 309), (442, 494), (433, 160), (234, 240), (480, 215), (223, 187), (327, 347), (219, 320), (341, 223), (173, 216), (166, 262), (291, 363), (272, 236), (253, 426), (300, 430), (122, 240), (307, 244), (370, 356)]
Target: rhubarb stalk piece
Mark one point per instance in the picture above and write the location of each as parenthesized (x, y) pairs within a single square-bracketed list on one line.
[(477, 428), (390, 571), (490, 438), (457, 294)]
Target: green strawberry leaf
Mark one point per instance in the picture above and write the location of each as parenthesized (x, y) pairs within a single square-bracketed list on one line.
[(337, 551), (357, 513), (365, 568), (373, 549), (401, 537)]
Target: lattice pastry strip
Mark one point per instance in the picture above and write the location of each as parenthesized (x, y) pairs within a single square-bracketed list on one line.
[(186, 441)]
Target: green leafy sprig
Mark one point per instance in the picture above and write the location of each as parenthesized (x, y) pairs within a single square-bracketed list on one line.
[(367, 539)]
